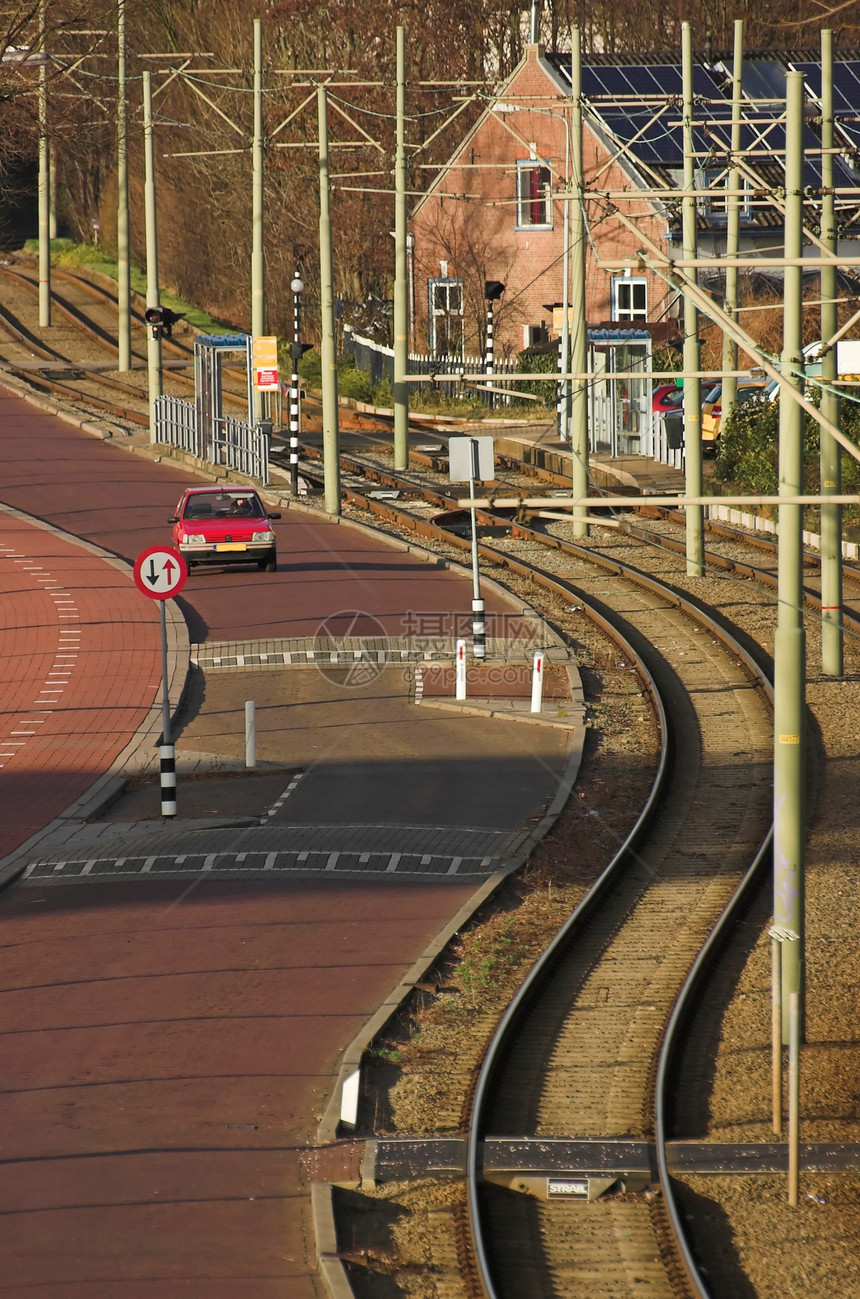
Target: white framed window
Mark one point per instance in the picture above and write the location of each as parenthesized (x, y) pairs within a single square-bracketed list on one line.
[(445, 296), (534, 186), (629, 298), (716, 203)]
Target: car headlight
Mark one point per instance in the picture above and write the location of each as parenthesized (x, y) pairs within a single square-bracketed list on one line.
[(194, 539), (268, 535)]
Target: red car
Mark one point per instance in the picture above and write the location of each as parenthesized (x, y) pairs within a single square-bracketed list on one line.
[(666, 397), (224, 525)]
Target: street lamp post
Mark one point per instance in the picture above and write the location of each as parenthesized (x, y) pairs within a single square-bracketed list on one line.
[(296, 351)]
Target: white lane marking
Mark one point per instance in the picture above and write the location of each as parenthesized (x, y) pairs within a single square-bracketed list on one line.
[(271, 858), (279, 801), (392, 861), (332, 861)]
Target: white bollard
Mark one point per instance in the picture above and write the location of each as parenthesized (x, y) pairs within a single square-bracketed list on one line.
[(461, 669), (537, 682), (250, 733)]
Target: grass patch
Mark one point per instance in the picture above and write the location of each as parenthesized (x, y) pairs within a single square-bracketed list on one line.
[(67, 255)]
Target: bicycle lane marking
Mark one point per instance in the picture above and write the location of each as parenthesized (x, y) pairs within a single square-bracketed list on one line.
[(79, 668)]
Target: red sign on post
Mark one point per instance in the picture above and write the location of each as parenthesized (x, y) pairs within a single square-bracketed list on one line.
[(160, 572)]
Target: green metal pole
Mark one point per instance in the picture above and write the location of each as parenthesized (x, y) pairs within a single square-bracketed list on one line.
[(52, 193), (733, 221), (44, 184), (831, 456), (328, 355), (123, 279), (579, 334), (563, 401), (401, 327), (692, 387), (153, 341), (258, 295), (789, 649)]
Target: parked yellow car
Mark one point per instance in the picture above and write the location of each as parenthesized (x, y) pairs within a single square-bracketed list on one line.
[(712, 409)]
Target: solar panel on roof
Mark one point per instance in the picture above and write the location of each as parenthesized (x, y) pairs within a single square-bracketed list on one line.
[(763, 79), (614, 91)]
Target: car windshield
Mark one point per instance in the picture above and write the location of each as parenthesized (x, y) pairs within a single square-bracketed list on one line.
[(224, 505)]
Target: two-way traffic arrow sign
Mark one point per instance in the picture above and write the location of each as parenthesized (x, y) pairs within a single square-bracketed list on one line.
[(160, 572)]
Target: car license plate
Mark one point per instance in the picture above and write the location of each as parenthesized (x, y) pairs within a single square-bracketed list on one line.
[(231, 545)]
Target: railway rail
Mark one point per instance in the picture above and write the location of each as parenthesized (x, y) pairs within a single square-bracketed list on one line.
[(626, 948), (702, 837), (90, 310)]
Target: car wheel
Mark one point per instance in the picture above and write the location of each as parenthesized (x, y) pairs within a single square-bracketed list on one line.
[(272, 564)]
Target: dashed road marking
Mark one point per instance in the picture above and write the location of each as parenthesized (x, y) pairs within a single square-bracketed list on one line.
[(281, 799)]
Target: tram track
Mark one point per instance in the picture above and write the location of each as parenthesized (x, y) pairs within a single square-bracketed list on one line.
[(702, 835), (661, 1235), (90, 310)]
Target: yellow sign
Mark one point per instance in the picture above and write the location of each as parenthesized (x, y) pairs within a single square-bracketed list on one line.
[(264, 356), (265, 353)]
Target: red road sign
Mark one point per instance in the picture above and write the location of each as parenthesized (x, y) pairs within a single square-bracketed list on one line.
[(160, 572)]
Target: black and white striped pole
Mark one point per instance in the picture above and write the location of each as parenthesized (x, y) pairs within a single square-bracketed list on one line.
[(493, 290), (167, 749), (479, 624), (160, 572), (296, 351)]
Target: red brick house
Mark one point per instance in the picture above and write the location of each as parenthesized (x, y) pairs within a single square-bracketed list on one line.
[(492, 214)]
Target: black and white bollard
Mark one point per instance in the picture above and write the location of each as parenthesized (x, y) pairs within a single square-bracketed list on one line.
[(167, 753)]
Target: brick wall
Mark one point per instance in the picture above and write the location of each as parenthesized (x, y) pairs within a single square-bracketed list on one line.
[(469, 220)]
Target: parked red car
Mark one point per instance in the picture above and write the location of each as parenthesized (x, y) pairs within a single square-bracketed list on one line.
[(666, 397), (224, 525)]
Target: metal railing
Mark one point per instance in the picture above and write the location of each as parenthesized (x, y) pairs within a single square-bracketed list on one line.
[(241, 447), (176, 425), (231, 442)]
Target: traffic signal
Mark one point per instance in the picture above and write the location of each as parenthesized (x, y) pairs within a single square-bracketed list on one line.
[(493, 289), (297, 350), (161, 320)]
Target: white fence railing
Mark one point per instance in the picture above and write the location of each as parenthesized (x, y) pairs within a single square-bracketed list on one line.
[(241, 447), (230, 442), (176, 425)]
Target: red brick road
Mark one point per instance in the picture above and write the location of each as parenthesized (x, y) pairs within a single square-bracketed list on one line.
[(79, 668), (163, 1066), (166, 1054), (121, 502)]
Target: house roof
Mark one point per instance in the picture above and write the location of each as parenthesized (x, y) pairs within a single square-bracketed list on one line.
[(638, 104), (633, 102)]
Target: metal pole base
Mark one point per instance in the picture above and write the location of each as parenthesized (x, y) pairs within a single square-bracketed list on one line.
[(168, 779), (479, 630)]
